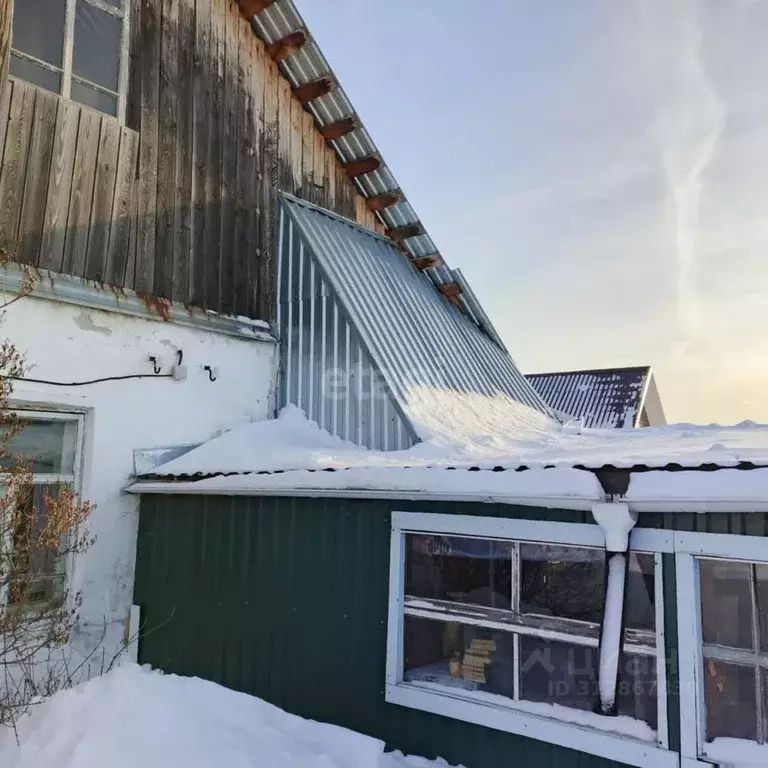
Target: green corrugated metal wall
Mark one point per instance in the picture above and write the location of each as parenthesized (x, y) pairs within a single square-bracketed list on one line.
[(287, 599)]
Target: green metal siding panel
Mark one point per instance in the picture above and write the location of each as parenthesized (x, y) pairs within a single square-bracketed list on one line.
[(286, 599), (739, 523)]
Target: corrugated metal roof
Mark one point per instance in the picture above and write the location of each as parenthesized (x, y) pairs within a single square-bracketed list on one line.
[(441, 369), (307, 65), (603, 398)]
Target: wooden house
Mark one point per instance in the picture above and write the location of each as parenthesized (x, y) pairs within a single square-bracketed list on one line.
[(417, 548)]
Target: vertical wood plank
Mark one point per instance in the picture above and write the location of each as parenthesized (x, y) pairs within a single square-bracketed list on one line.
[(284, 136), (37, 175), (257, 92), (201, 131), (182, 254), (148, 147), (214, 181), (60, 185), (330, 177), (308, 157), (361, 210), (266, 282), (5, 107), (122, 212), (103, 198), (297, 146), (84, 171), (167, 120), (6, 26), (321, 197), (230, 139), (129, 279), (245, 170), (14, 164)]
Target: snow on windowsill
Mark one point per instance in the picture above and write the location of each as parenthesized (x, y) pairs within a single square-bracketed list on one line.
[(736, 753), (619, 726)]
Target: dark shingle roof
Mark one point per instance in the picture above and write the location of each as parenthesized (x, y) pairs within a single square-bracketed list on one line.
[(606, 398)]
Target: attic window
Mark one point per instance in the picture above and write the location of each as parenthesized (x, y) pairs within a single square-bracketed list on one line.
[(76, 48)]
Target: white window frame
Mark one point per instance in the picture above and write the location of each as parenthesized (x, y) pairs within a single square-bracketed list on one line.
[(68, 34), (75, 478), (688, 548), (513, 718)]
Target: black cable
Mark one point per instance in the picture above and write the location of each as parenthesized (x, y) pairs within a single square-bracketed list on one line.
[(94, 381)]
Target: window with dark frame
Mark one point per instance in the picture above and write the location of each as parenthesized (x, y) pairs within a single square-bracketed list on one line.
[(522, 620), (76, 48), (734, 622)]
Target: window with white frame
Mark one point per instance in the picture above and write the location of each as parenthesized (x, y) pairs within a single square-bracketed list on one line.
[(77, 48), (50, 444), (723, 607), (508, 614)]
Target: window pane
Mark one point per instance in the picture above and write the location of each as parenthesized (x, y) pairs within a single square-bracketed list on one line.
[(459, 656), (465, 570), (38, 29), (558, 673), (729, 690), (761, 580), (49, 446), (566, 582), (93, 98), (726, 603), (36, 568), (637, 689), (640, 608), (35, 74), (97, 45)]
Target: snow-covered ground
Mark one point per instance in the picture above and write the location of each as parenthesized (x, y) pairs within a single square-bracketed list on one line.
[(136, 717)]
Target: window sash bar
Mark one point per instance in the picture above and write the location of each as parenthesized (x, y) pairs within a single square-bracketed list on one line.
[(557, 630), (740, 656), (95, 86), (107, 7), (69, 38), (40, 62)]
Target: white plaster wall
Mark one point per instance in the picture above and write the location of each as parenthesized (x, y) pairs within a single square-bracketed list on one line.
[(64, 342)]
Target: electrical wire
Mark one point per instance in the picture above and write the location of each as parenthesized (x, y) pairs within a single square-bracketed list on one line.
[(94, 381)]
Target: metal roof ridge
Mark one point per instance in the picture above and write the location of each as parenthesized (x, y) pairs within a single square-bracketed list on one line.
[(333, 215)]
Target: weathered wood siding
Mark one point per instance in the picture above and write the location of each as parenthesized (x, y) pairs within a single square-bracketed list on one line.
[(67, 178), (180, 203), (221, 132), (6, 23)]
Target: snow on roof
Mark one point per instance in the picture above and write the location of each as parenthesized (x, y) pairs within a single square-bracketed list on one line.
[(133, 716), (552, 454)]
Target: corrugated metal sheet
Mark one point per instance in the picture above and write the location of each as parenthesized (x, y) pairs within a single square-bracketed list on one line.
[(605, 398), (324, 367), (309, 64), (418, 342), (286, 599)]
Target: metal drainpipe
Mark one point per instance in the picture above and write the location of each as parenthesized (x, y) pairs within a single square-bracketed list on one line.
[(616, 520)]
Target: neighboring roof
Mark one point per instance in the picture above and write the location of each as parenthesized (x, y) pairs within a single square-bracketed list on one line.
[(606, 398), (308, 64), (450, 381)]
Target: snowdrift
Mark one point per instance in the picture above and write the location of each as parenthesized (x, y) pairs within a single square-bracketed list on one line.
[(136, 717)]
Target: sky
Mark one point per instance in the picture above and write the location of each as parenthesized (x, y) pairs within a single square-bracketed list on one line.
[(597, 169)]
